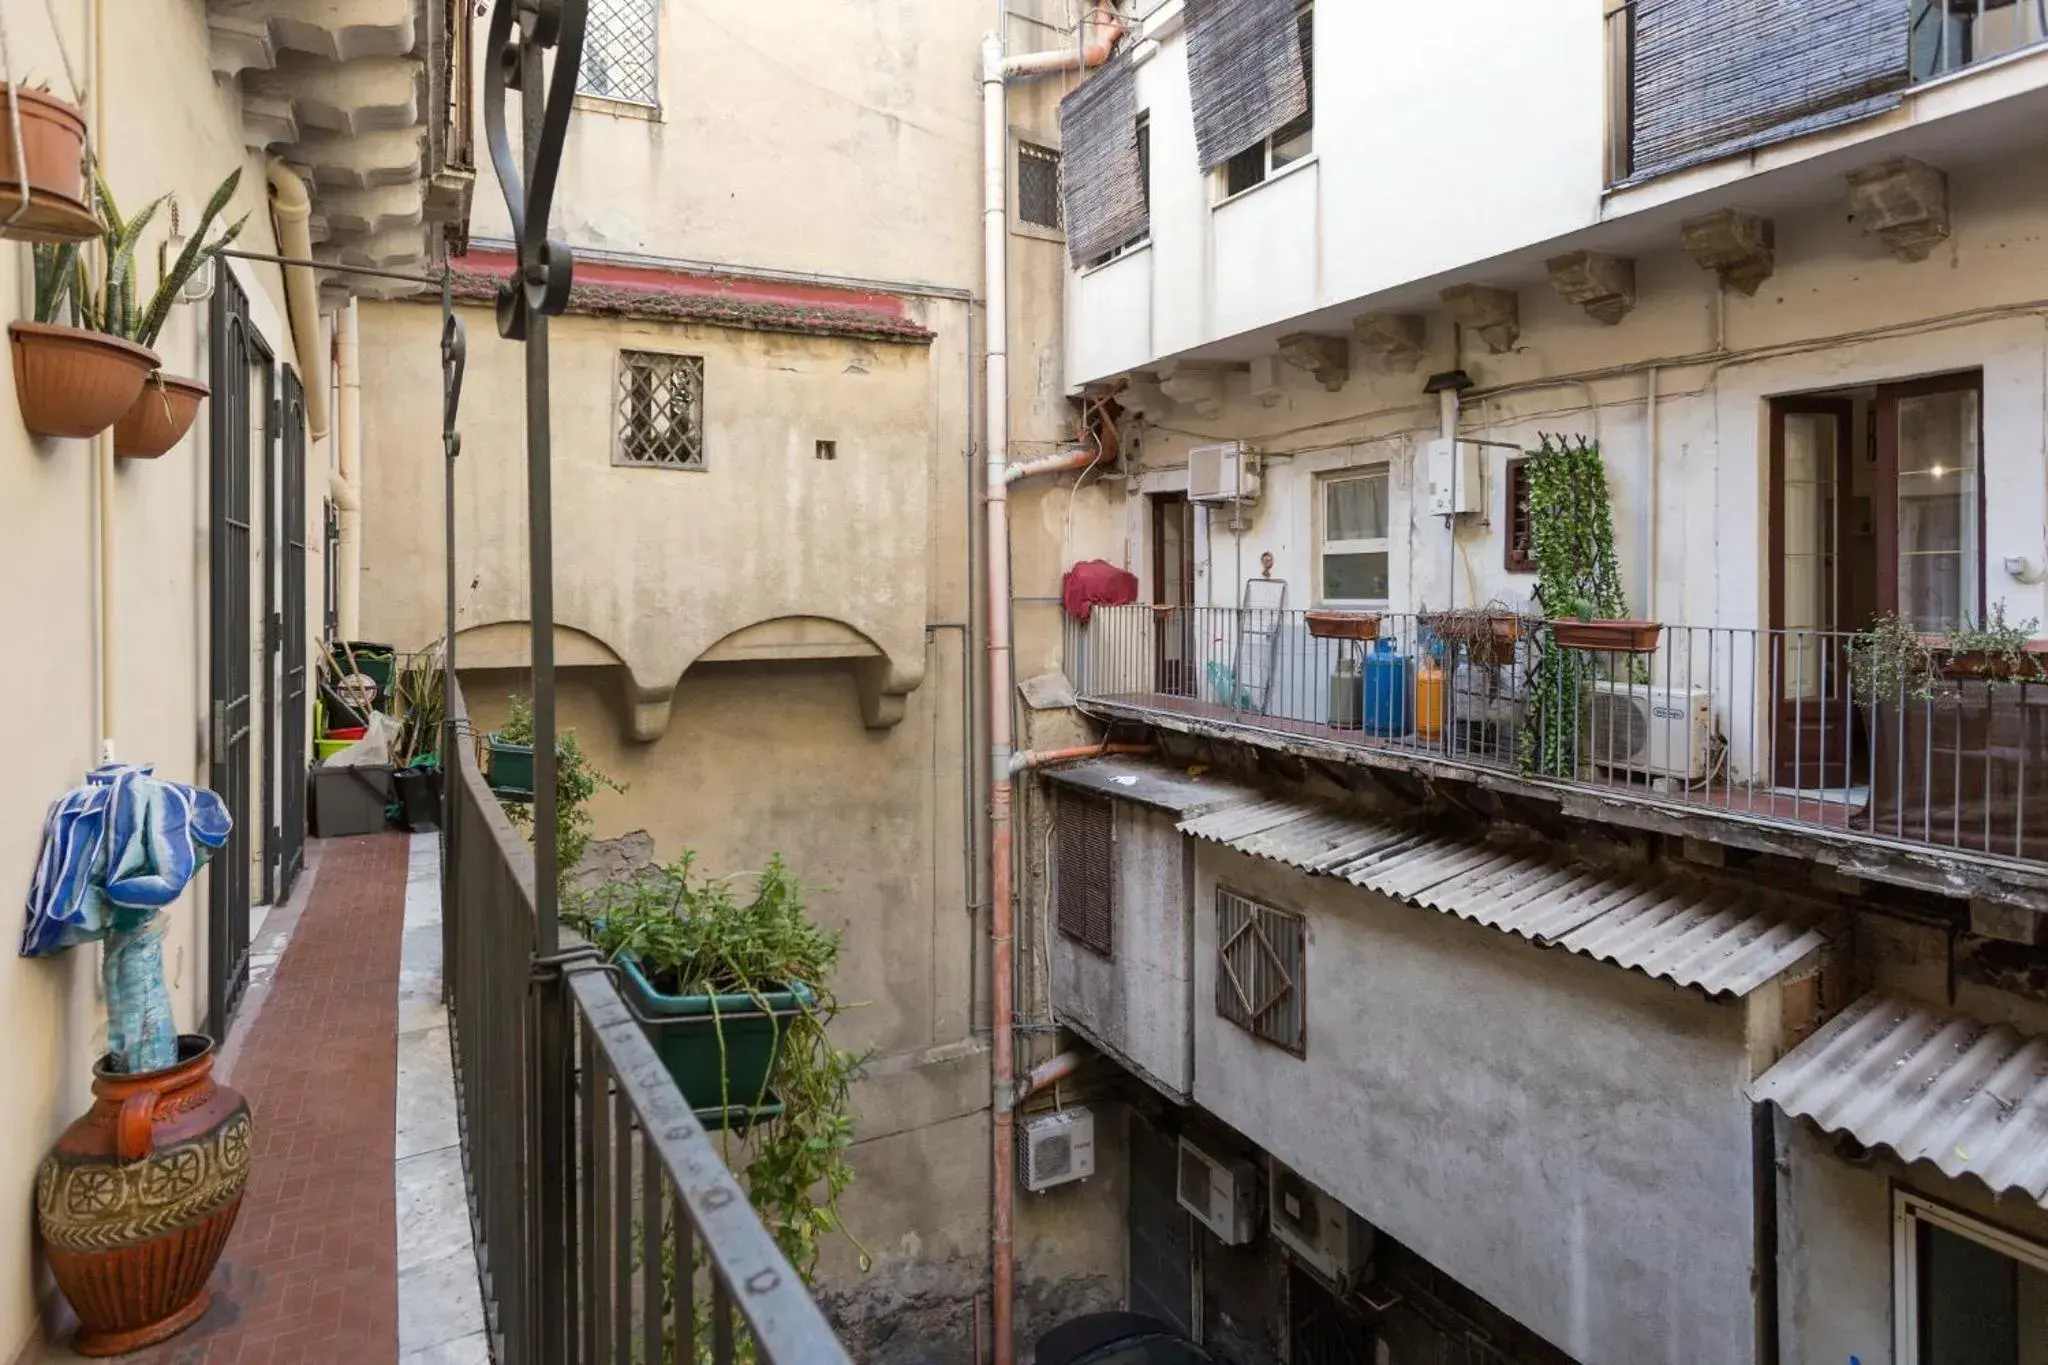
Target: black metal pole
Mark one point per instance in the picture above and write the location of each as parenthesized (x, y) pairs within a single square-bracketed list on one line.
[(540, 520), (454, 356)]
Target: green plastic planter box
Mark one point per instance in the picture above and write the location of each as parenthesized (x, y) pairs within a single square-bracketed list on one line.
[(685, 1035), (511, 771)]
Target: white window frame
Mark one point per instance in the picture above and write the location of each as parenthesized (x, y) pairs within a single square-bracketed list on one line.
[(1220, 191), (1910, 1209), (1326, 546)]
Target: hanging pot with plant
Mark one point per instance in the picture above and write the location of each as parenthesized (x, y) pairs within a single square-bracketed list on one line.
[(42, 196), (78, 380), (137, 1198)]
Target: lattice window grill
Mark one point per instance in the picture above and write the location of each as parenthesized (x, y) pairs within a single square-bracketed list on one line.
[(661, 410), (621, 53), (1261, 983)]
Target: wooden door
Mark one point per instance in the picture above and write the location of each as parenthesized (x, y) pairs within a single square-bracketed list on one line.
[(1173, 594), (1811, 715), (1929, 502)]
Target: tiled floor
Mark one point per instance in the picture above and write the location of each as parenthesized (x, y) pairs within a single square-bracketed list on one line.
[(353, 1241)]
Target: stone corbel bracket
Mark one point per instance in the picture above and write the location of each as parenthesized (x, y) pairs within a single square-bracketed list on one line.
[(1328, 358), (1392, 343), (1493, 313), (1199, 390), (1605, 286), (1905, 202), (1739, 247)]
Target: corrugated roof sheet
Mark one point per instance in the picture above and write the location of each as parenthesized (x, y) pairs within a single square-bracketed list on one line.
[(1681, 927), (1968, 1096), (1151, 784)]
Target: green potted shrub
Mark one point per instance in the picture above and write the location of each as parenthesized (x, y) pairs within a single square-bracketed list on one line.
[(577, 780), (734, 989)]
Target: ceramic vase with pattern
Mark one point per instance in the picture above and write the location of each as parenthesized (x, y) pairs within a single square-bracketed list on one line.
[(137, 1198)]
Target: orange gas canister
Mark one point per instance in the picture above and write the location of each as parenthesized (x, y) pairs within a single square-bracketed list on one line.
[(1429, 701)]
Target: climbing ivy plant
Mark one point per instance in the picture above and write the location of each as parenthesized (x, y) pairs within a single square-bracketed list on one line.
[(1577, 577)]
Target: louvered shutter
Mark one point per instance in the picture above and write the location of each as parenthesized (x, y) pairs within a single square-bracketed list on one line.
[(1101, 178), (1086, 877), (1710, 78), (1245, 73)]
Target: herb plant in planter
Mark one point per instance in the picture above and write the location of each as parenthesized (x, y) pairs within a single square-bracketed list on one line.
[(735, 993), (577, 779)]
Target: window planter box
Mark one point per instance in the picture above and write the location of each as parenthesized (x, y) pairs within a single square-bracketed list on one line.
[(1344, 625), (510, 769), (728, 1090), (1964, 769), (1976, 663), (1608, 637)]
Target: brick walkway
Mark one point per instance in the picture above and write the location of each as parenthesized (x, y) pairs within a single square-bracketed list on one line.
[(310, 1271)]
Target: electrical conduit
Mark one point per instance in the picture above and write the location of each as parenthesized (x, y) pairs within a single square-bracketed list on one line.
[(995, 70)]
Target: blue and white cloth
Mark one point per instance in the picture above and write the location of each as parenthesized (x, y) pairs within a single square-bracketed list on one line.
[(115, 852)]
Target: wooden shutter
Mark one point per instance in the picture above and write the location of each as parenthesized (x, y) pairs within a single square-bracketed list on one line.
[(1261, 962), (1103, 179), (1086, 877), (1709, 78), (1245, 74)]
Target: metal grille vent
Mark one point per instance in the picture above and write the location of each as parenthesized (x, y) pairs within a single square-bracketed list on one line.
[(1049, 1158), (1038, 186), (1617, 727), (1260, 983), (661, 409), (620, 52), (1086, 876)]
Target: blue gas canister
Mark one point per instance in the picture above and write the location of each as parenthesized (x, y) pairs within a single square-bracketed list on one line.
[(1387, 690)]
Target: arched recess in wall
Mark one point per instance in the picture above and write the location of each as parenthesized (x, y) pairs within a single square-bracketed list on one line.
[(507, 646), (881, 684)]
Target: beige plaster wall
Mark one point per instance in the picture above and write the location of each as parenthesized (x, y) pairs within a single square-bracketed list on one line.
[(51, 1011)]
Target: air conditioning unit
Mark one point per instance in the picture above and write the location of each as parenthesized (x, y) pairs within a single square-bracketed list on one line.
[(1655, 731), (1057, 1149), (1223, 473), (1218, 1193), (1456, 478), (1318, 1231)]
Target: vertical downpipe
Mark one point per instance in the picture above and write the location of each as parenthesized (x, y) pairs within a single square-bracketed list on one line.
[(1764, 1183), (1002, 912)]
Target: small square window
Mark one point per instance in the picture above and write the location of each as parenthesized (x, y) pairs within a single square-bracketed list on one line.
[(661, 410), (1261, 970), (828, 450), (1038, 186), (621, 52)]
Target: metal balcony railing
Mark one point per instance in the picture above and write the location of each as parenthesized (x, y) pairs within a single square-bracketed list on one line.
[(1793, 727), (607, 1225)]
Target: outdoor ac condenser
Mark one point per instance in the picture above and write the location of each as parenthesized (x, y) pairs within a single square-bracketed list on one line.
[(1653, 731), (1318, 1231), (1222, 473), (1218, 1193), (1057, 1149)]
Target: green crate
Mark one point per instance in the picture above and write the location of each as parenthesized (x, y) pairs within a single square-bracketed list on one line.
[(511, 769)]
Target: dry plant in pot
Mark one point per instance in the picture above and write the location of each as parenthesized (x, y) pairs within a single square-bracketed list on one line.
[(42, 197)]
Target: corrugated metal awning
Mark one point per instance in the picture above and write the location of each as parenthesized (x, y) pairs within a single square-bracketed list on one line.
[(1181, 792), (1681, 927), (1890, 1072)]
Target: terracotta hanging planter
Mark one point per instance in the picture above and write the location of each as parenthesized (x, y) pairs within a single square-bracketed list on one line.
[(160, 418), (1608, 637), (53, 148), (137, 1199), (73, 382)]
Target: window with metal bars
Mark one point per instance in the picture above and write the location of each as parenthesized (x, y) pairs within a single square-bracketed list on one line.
[(1521, 540), (621, 52), (1085, 881), (1261, 970), (661, 410), (1038, 186)]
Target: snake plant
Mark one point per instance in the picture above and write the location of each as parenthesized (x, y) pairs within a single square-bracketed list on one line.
[(111, 303)]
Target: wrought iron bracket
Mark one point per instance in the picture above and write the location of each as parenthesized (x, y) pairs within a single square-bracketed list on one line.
[(541, 278), (454, 357)]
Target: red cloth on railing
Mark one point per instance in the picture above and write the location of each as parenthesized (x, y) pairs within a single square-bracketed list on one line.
[(1093, 583)]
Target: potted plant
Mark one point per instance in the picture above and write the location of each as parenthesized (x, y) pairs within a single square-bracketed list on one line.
[(577, 779), (1957, 724), (734, 991), (42, 197), (137, 1198), (91, 357)]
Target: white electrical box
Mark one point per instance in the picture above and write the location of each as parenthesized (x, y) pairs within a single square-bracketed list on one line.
[(1457, 485)]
